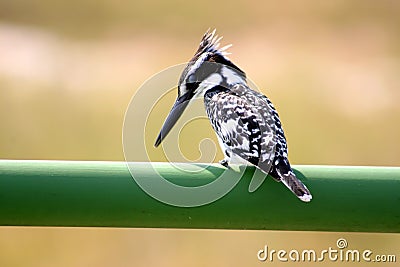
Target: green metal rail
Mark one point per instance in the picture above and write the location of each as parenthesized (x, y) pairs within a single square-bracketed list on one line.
[(62, 193)]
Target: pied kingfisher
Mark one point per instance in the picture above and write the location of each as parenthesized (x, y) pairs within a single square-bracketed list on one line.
[(245, 121)]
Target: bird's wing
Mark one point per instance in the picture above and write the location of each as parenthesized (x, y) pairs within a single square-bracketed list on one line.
[(281, 169), (243, 125), (267, 110)]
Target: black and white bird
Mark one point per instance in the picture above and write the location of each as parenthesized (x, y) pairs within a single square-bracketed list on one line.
[(245, 121)]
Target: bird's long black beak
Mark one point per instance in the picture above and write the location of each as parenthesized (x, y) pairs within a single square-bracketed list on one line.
[(175, 113)]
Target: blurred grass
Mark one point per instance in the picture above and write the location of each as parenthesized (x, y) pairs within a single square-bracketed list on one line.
[(94, 18), (47, 124), (69, 68), (154, 247)]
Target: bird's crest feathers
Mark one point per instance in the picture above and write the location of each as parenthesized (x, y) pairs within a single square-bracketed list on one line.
[(211, 42)]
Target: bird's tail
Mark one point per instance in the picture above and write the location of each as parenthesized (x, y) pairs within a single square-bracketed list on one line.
[(290, 180)]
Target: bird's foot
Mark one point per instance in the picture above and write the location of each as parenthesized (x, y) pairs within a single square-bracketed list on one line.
[(225, 162)]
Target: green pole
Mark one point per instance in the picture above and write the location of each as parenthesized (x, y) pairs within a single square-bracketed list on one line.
[(78, 193)]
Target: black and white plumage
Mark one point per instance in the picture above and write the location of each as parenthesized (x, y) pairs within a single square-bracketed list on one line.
[(245, 121)]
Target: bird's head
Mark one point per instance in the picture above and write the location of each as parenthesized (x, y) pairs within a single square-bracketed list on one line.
[(210, 67)]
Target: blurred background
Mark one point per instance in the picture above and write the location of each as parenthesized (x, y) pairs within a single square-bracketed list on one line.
[(68, 70)]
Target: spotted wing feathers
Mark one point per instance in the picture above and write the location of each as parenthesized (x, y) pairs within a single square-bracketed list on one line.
[(241, 126), (248, 125)]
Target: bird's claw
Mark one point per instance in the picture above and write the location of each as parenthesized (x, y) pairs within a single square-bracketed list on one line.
[(225, 163)]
